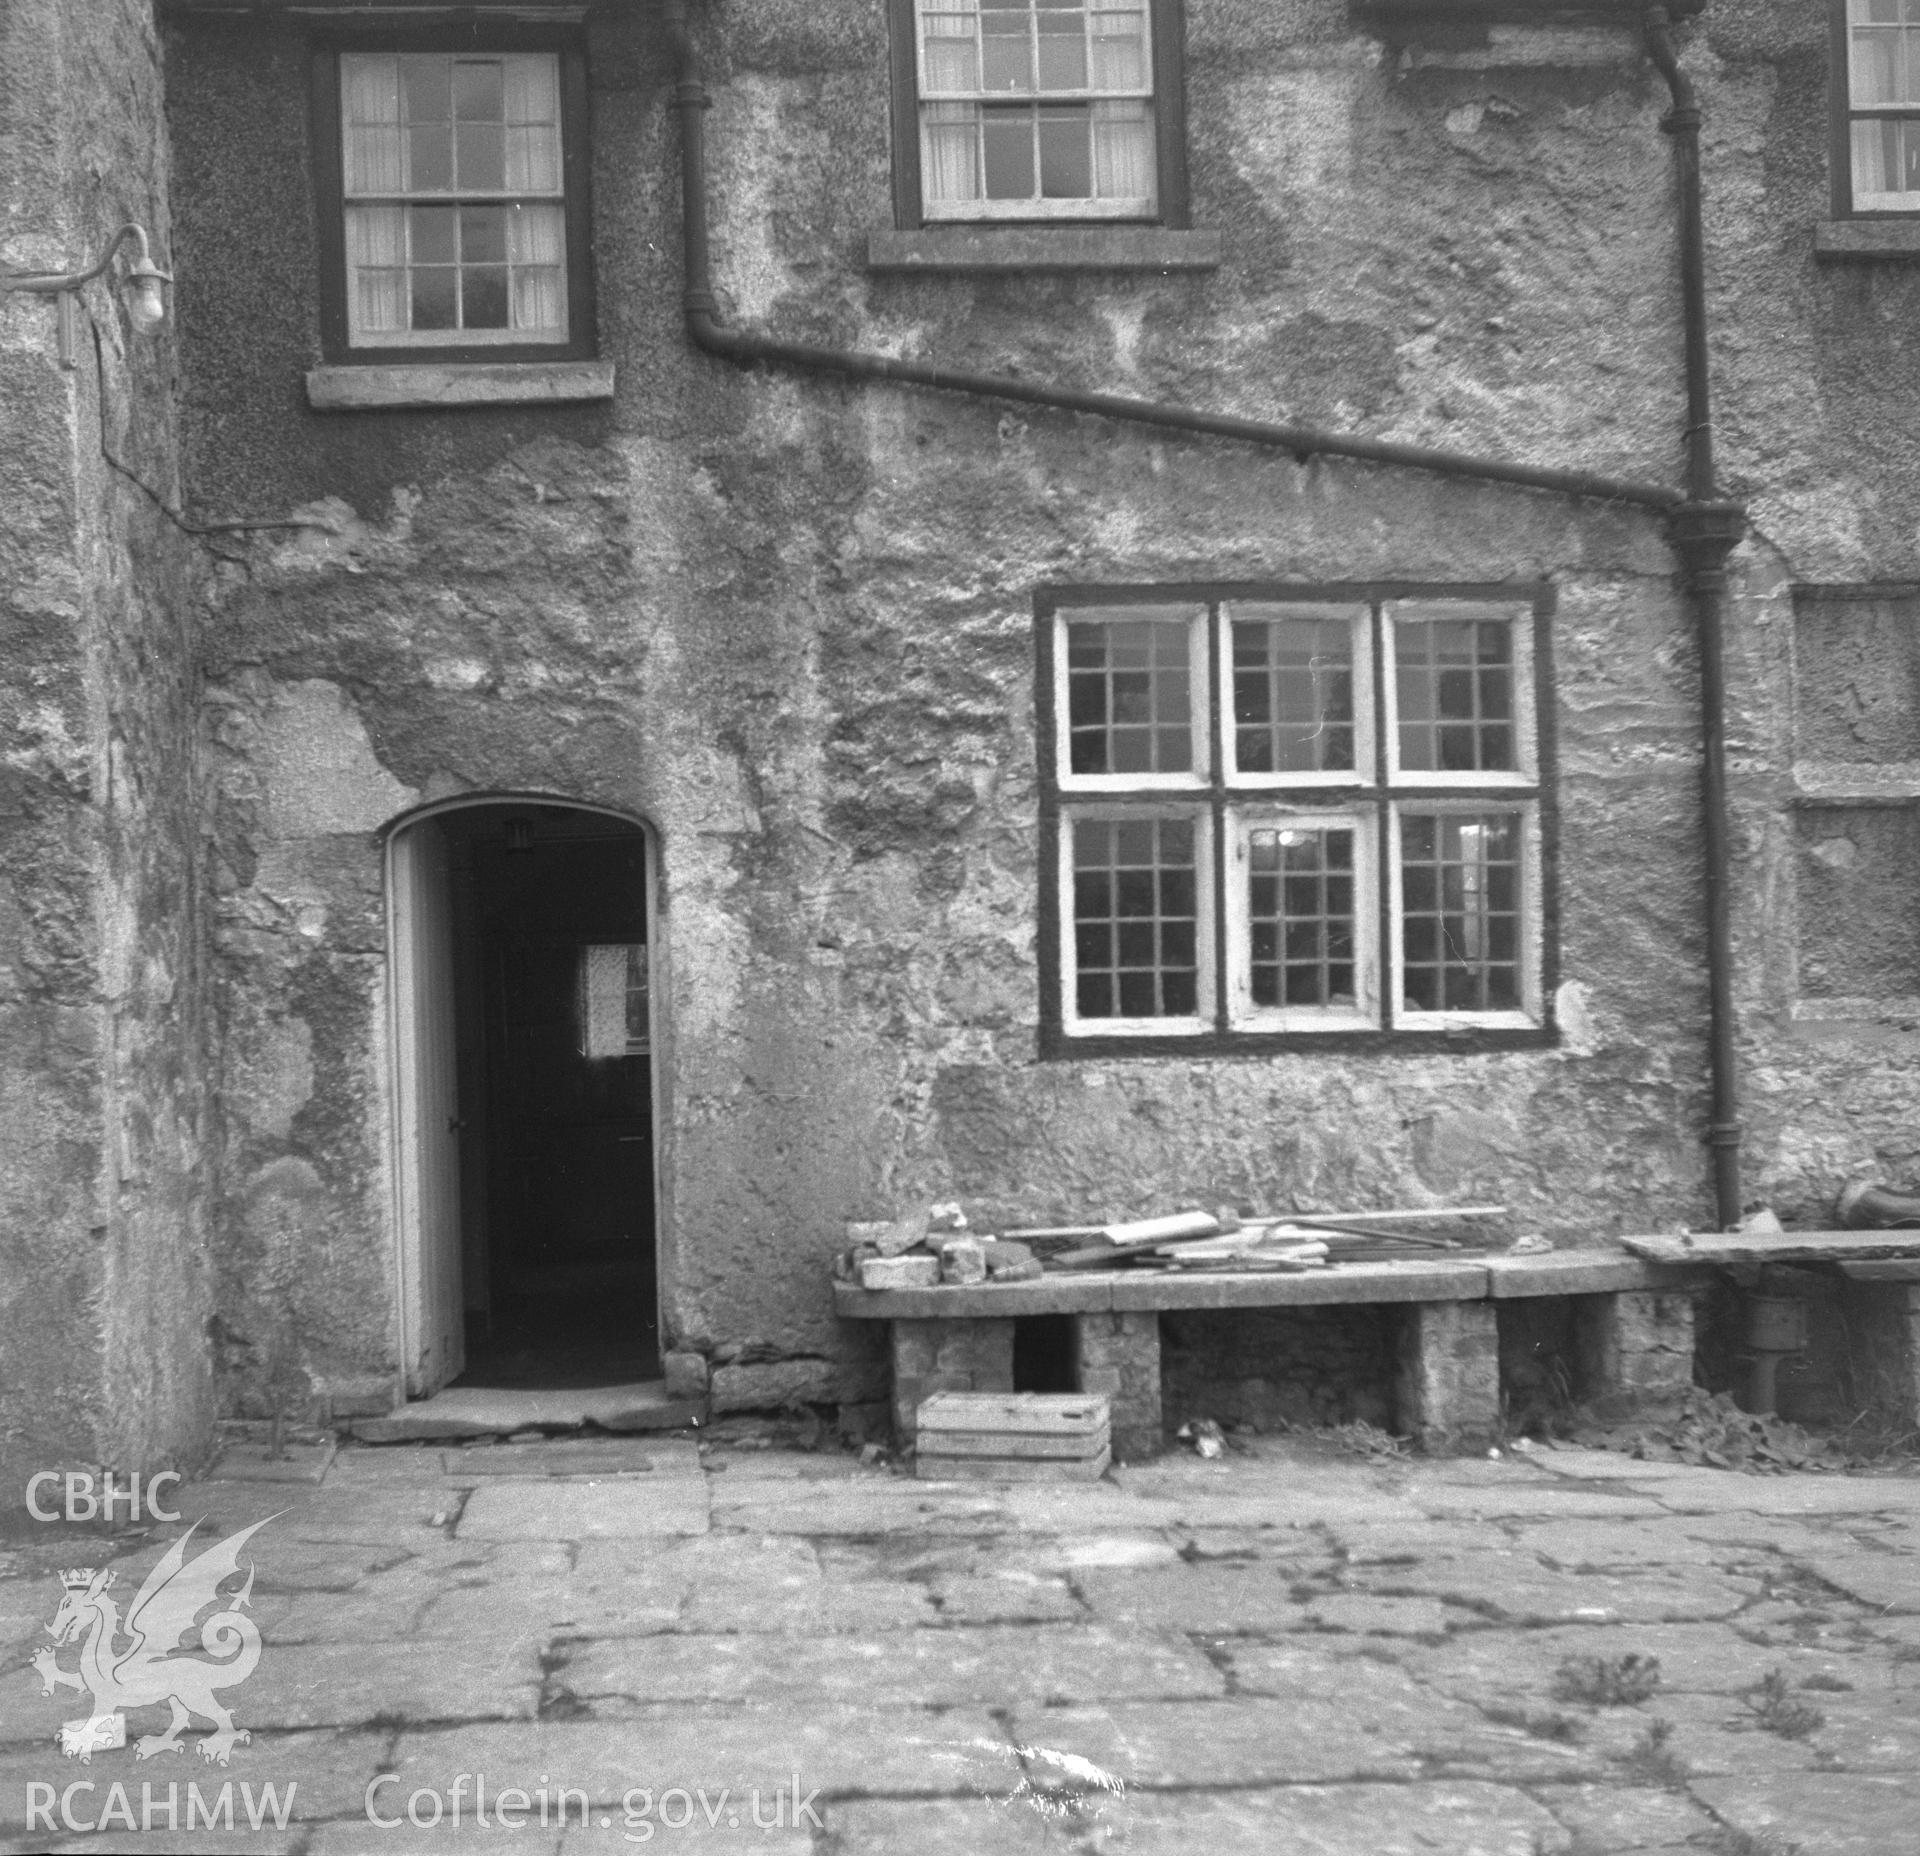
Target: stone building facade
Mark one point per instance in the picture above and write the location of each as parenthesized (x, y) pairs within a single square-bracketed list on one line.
[(824, 681)]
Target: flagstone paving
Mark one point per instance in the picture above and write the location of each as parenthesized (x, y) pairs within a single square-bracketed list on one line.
[(612, 1642)]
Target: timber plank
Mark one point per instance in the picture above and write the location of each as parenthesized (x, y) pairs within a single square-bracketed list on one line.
[(1015, 1414), (1003, 1469), (1775, 1246)]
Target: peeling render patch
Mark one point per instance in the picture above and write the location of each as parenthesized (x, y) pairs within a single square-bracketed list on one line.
[(321, 774)]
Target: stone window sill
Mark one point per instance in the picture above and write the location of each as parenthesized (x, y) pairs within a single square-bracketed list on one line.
[(1843, 782), (475, 383), (1867, 238), (956, 248)]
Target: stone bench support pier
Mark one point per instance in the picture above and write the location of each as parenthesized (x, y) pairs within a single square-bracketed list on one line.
[(1633, 1333)]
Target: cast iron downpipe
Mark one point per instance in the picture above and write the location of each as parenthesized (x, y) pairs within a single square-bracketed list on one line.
[(1703, 530)]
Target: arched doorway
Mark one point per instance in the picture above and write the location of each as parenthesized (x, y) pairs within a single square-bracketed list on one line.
[(520, 941)]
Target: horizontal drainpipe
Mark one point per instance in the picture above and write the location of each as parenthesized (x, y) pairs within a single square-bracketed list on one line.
[(1704, 530), (1302, 442)]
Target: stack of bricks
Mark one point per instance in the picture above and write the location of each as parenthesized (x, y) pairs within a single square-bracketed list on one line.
[(1634, 1349), (1119, 1355), (946, 1356)]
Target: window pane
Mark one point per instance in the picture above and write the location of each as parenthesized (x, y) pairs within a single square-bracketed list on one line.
[(1123, 152), (483, 297), (1460, 903), (477, 90), (1006, 49), (1066, 166), (1293, 695), (950, 151), (1063, 47), (1453, 684), (432, 235), (481, 163), (952, 50), (377, 268), (1119, 40), (1302, 925), (1129, 697), (483, 235), (531, 94), (1006, 150), (1135, 930), (1886, 164), (435, 297)]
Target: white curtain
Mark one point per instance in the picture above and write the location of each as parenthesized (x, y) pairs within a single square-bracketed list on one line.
[(375, 146), (536, 253), (1122, 151), (1119, 35), (532, 87), (603, 1002), (376, 270), (950, 151), (949, 36)]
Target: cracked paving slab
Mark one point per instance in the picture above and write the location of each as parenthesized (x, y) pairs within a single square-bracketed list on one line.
[(1275, 1652)]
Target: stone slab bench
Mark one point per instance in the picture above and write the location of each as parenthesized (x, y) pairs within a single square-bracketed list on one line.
[(1633, 1331)]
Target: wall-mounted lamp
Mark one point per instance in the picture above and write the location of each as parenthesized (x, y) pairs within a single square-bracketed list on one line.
[(146, 301)]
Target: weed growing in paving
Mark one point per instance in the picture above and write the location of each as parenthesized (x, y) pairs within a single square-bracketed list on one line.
[(1651, 1761), (1730, 1842), (1607, 1681), (1561, 1727), (1827, 1684), (1779, 1712)]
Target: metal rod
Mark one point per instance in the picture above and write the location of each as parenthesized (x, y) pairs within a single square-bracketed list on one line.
[(1303, 442)]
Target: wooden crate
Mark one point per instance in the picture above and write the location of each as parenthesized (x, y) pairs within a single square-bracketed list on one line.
[(1011, 1468), (1014, 1436)]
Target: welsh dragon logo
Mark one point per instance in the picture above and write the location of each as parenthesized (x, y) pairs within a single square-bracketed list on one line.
[(144, 1669)]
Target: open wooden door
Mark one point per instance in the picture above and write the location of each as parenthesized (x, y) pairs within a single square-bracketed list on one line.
[(427, 1138)]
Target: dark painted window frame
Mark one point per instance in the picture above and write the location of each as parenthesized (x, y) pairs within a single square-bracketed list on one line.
[(1056, 1042), (329, 202), (1169, 41), (1842, 114)]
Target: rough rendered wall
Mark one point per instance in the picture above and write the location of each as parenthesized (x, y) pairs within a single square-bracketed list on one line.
[(789, 623), (1816, 372), (102, 1292)]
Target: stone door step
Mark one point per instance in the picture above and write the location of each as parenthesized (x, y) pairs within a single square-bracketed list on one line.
[(481, 1411)]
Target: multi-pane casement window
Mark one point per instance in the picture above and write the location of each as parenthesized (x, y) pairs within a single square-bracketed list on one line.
[(1038, 109), (1877, 93), (1292, 816), (453, 212)]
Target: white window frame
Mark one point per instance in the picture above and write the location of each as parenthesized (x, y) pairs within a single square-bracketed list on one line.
[(556, 335), (1200, 1022), (1242, 1013), (935, 212), (1359, 619), (1526, 746), (1197, 779), (1530, 1014), (1372, 800), (1856, 114)]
